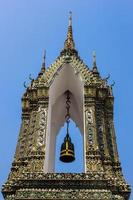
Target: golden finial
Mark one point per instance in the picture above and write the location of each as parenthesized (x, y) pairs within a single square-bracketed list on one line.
[(94, 62), (43, 62), (70, 18), (69, 43), (94, 56), (44, 58), (94, 59)]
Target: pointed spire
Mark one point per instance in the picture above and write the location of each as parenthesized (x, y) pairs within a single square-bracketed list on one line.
[(70, 19), (94, 69), (69, 42), (43, 62), (43, 68), (94, 60)]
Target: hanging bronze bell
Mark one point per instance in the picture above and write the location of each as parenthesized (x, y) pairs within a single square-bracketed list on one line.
[(67, 150)]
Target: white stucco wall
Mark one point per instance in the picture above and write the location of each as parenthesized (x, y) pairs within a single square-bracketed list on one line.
[(65, 80)]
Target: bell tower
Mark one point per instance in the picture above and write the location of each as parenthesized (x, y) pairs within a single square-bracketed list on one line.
[(68, 89)]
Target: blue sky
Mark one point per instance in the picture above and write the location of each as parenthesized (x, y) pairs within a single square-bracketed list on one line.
[(29, 27)]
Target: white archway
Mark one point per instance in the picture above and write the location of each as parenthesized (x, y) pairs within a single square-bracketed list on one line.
[(65, 80)]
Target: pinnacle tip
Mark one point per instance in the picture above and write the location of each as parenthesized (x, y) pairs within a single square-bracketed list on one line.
[(70, 18), (94, 53), (44, 55), (94, 56)]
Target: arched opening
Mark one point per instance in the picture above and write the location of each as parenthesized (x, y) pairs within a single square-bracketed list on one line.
[(77, 139), (65, 80)]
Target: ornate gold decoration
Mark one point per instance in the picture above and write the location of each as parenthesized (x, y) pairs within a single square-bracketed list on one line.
[(103, 178), (69, 43)]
